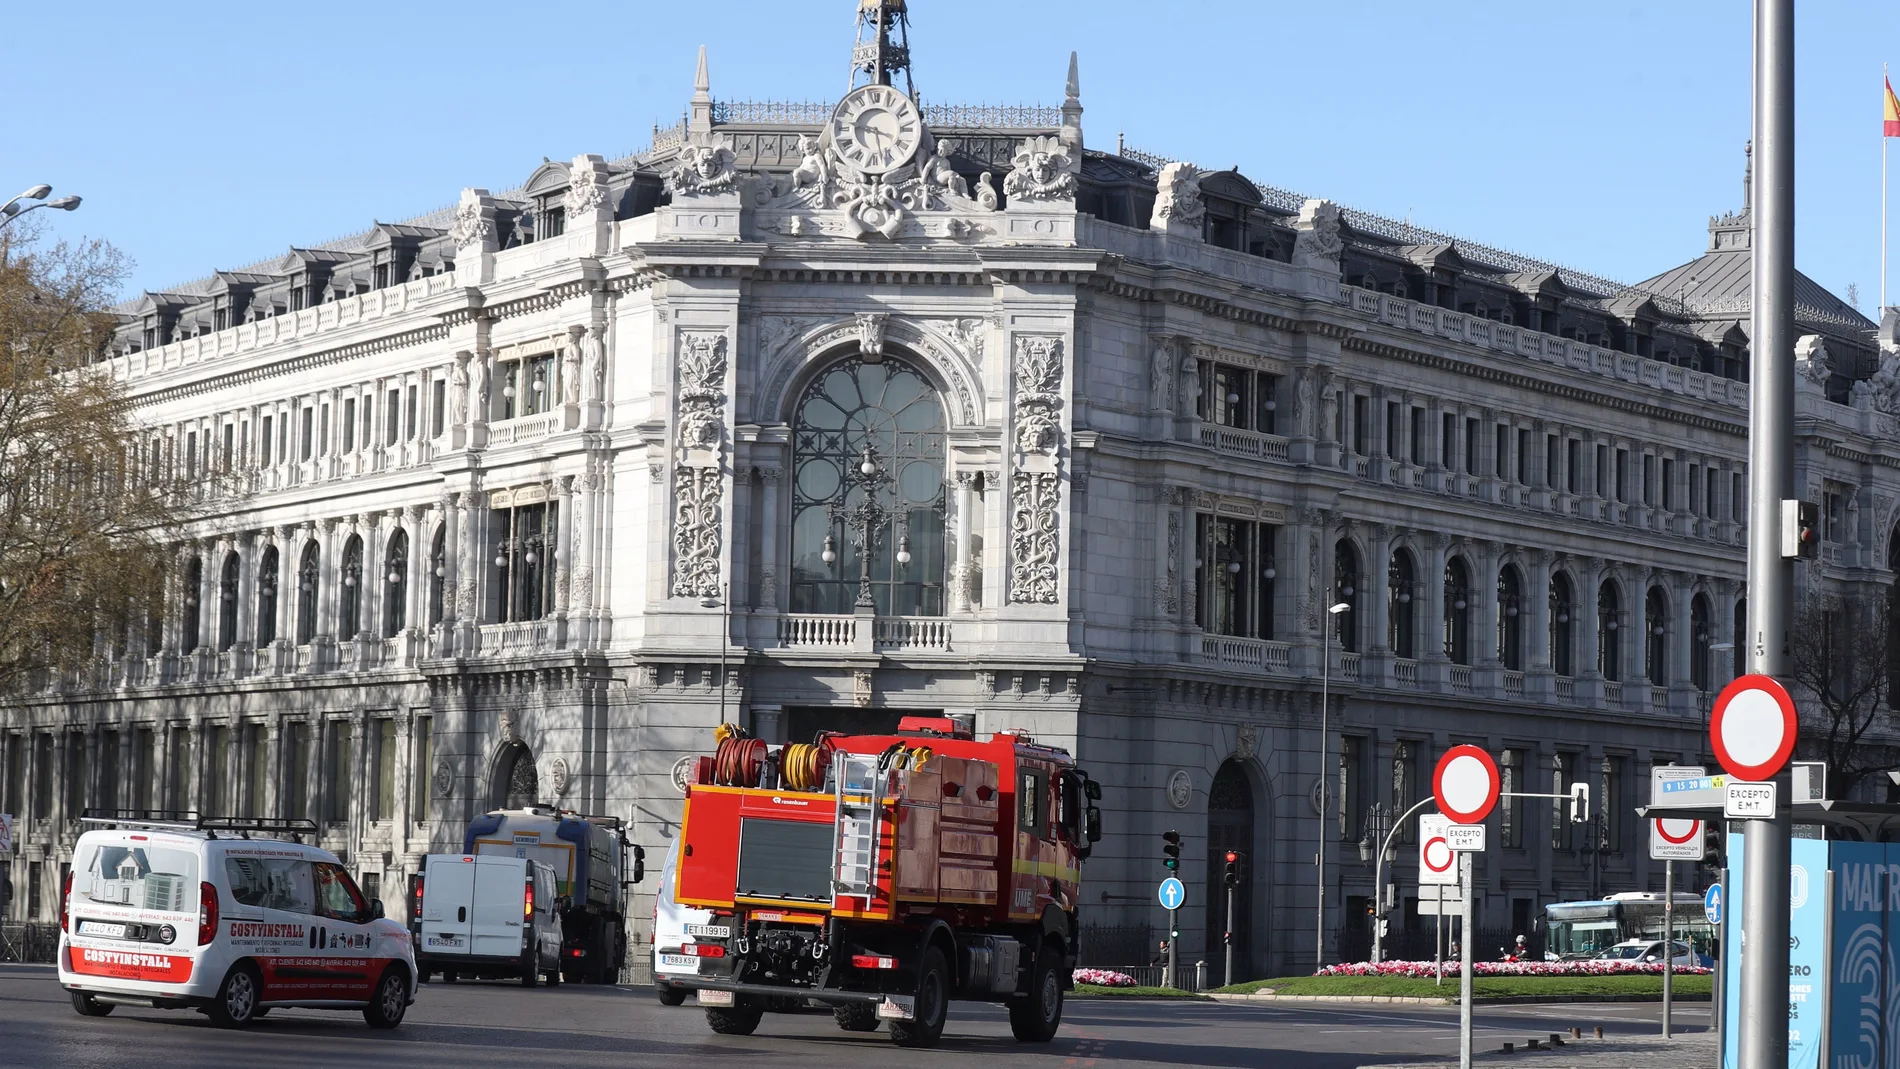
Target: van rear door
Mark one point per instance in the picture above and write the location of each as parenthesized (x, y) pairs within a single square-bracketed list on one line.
[(500, 892), (448, 904)]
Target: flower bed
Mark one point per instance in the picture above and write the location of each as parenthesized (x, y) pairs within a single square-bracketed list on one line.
[(1426, 969), (1104, 978)]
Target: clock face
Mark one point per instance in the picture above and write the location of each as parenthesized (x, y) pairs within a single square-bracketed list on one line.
[(876, 129)]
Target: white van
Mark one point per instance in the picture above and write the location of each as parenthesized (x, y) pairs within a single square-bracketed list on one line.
[(487, 916), (672, 924), (175, 916)]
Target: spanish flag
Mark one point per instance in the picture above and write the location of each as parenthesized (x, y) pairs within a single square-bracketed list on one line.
[(1890, 126)]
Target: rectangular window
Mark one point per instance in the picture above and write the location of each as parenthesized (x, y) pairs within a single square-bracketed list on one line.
[(1562, 768), (337, 771), (1551, 457), (409, 414), (1695, 487), (1351, 781), (1267, 403), (422, 760), (1501, 460), (1510, 810), (1601, 488), (230, 445), (73, 776), (1833, 514), (323, 432), (217, 758), (16, 772), (294, 791), (1361, 423), (1649, 480), (144, 770), (438, 405), (1448, 440), (1471, 446), (392, 418), (1668, 484), (1737, 497), (349, 425), (1623, 475), (109, 795), (385, 741), (255, 769), (178, 769), (191, 454), (1394, 427), (1523, 458), (1418, 435), (1709, 485), (1609, 811)]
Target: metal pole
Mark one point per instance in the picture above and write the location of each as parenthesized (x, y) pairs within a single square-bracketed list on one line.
[(1764, 1008), (1464, 961), (1174, 936), (1227, 976), (1438, 934), (725, 640), (1319, 848), (1669, 940)]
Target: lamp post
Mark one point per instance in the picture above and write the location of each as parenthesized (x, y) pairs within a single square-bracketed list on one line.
[(1703, 738), (1325, 673), (14, 208), (1378, 876), (724, 603)]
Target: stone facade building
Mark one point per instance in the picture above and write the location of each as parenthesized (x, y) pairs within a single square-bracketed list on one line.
[(808, 417)]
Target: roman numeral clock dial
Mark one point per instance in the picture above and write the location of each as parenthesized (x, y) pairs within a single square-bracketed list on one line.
[(876, 129)]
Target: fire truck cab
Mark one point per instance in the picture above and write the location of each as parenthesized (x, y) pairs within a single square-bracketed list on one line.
[(886, 875)]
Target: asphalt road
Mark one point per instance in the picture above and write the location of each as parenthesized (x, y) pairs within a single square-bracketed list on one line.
[(471, 1025)]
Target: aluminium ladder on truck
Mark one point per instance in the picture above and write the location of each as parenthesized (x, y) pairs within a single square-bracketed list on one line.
[(855, 828)]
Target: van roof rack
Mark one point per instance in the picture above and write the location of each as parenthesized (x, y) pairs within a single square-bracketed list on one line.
[(191, 820)]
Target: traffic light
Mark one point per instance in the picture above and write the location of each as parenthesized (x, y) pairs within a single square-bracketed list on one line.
[(1712, 841), (1580, 803), (1231, 878), (1171, 850), (1800, 530)]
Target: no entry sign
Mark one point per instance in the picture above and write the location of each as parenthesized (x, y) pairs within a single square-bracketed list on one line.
[(1752, 727), (1437, 864), (1466, 785)]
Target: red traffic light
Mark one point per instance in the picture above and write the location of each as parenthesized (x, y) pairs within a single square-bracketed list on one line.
[(1232, 857)]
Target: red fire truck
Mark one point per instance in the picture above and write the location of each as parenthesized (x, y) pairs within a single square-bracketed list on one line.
[(886, 875)]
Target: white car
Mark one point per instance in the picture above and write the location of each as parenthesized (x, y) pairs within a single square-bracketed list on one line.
[(180, 916), (672, 932), (1648, 952), (484, 915)]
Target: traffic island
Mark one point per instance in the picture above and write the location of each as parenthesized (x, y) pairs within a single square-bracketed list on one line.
[(1494, 990)]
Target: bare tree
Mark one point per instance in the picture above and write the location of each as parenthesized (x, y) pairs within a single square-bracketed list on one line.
[(1842, 668), (84, 517)]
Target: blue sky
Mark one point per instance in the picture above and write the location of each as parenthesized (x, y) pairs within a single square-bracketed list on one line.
[(1597, 135)]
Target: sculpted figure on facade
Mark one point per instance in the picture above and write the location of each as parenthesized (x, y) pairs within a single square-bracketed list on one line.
[(871, 335), (1812, 362), (943, 179), (1042, 170), (702, 391), (473, 223), (1178, 203), (1305, 401), (1319, 243), (458, 391), (1161, 376), (585, 194), (593, 362), (704, 168), (478, 387), (1038, 396), (571, 367), (1881, 390), (811, 170), (1328, 405)]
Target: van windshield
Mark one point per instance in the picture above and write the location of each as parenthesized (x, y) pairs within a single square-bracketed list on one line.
[(138, 875)]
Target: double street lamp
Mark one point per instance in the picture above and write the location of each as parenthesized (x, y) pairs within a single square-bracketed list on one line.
[(1325, 673), (35, 198)]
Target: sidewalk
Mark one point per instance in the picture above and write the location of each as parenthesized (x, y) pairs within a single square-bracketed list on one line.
[(1693, 1051)]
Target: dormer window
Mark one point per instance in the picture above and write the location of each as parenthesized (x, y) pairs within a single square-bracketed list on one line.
[(379, 277), (550, 222)]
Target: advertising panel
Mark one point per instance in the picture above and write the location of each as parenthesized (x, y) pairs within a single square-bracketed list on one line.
[(1807, 952), (1864, 1023)]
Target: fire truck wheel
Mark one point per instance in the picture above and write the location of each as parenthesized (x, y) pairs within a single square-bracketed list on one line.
[(856, 1016), (925, 1028), (672, 996), (742, 1019), (1035, 1017)]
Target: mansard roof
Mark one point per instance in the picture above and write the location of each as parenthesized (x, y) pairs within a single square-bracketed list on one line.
[(1717, 285)]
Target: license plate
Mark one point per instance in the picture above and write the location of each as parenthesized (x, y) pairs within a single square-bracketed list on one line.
[(709, 931), (680, 961), (110, 931), (897, 1008), (443, 941), (715, 998)]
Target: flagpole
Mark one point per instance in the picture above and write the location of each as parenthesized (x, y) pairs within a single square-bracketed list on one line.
[(1881, 312)]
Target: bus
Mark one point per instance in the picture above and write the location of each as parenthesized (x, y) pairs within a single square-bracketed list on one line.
[(1577, 930)]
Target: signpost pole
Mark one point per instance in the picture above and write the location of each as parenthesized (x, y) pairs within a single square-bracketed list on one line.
[(1227, 976), (1464, 961), (1173, 938), (1438, 936), (1669, 939), (1764, 1021)]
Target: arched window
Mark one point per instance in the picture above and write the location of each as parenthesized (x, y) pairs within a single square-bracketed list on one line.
[(1656, 642), (1609, 623), (308, 581), (267, 597), (1563, 607), (515, 785), (1510, 618), (1346, 584), (228, 603), (396, 584), (194, 583), (437, 569), (868, 491), (1458, 611), (349, 611), (1230, 826), (1402, 581), (1701, 672)]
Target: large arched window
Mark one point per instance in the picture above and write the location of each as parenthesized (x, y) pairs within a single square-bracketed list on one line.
[(1458, 611), (308, 580), (1402, 580), (194, 584), (228, 603), (1563, 607), (396, 584), (267, 597), (1510, 618), (349, 610), (1656, 641), (1609, 624), (1346, 584), (1701, 671), (868, 491)]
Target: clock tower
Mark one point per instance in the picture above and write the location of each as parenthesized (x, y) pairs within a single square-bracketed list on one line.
[(883, 48)]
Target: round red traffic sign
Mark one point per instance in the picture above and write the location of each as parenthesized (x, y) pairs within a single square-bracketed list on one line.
[(1435, 848), (1678, 830), (1753, 727), (1466, 785)]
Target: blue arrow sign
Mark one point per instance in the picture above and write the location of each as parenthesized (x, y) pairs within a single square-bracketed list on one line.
[(1172, 893), (1712, 903)]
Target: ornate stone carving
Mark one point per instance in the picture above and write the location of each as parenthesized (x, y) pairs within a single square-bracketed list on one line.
[(458, 392), (1038, 394), (505, 730), (593, 363), (473, 223), (559, 776), (1180, 788), (697, 515), (478, 388), (1812, 363), (1328, 406), (861, 688), (571, 367), (702, 391), (1246, 741), (1161, 376), (1319, 244), (871, 203), (986, 197), (1178, 203), (871, 335), (585, 194), (967, 334), (941, 179), (1305, 402), (704, 167), (444, 780), (1881, 390), (1035, 536), (1166, 593), (1309, 601), (1043, 170)]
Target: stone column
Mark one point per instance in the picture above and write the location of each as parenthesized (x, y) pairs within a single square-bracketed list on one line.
[(1588, 623), (964, 508), (1431, 621), (359, 804), (289, 557), (1539, 679), (209, 571), (375, 586), (1377, 601), (768, 527), (123, 787), (329, 577), (1681, 639), (403, 775), (249, 551), (194, 764), (62, 747), (1722, 665), (469, 569), (563, 556), (1484, 603), (274, 773), (416, 568), (1639, 613), (450, 512)]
